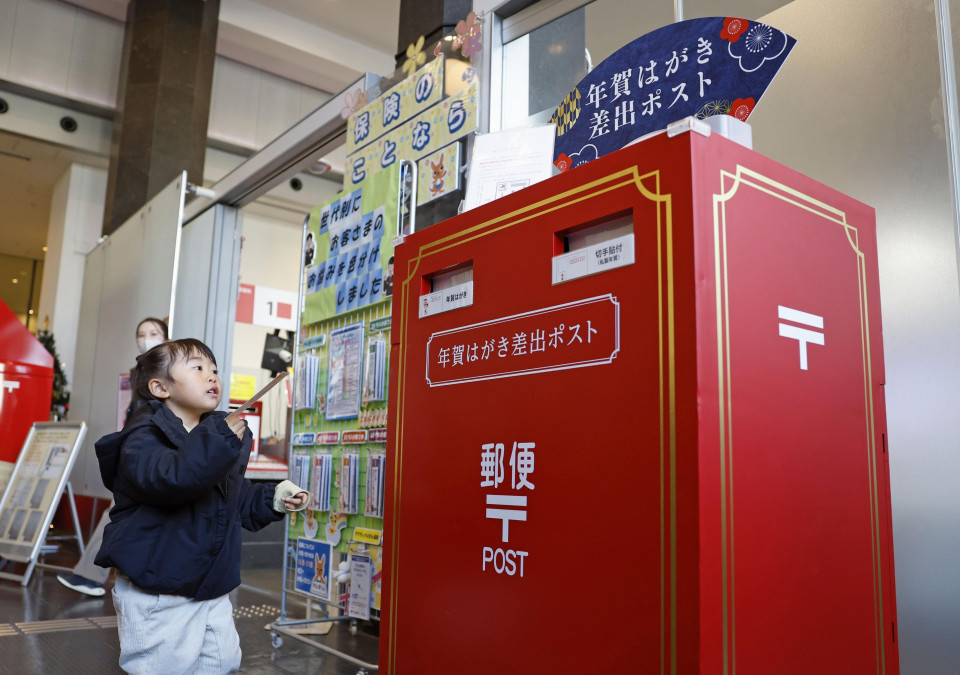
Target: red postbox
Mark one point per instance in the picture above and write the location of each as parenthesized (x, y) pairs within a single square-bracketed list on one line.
[(658, 452), (26, 383)]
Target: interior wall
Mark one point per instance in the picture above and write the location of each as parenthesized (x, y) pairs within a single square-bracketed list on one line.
[(250, 107), (129, 275), (857, 106), (20, 279), (76, 217), (269, 257), (61, 49)]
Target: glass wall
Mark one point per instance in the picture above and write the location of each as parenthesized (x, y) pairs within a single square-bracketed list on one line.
[(858, 106), (543, 66)]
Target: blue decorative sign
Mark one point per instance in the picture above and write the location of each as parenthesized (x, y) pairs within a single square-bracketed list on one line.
[(313, 568), (700, 67)]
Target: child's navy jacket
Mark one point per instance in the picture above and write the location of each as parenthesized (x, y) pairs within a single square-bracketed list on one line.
[(181, 499)]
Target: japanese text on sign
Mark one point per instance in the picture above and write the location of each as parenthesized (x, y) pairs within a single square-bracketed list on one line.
[(455, 297), (515, 345), (407, 99), (430, 130), (607, 255), (506, 507), (352, 266), (573, 335), (701, 67)]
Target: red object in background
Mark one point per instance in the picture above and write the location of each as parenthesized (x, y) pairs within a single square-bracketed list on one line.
[(26, 383), (704, 491), (245, 303), (253, 416)]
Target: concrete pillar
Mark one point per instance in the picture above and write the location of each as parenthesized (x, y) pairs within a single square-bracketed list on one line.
[(76, 215), (163, 103)]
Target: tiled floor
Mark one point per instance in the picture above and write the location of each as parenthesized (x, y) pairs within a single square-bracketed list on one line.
[(48, 629)]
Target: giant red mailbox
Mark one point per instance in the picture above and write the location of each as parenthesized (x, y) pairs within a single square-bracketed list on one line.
[(650, 435), (26, 383)]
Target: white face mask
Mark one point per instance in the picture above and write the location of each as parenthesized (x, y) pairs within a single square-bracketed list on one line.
[(147, 345)]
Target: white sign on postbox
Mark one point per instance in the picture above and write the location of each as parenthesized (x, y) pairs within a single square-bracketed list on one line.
[(601, 257), (454, 297)]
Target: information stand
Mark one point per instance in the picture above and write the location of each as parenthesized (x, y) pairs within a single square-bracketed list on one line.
[(650, 436), (39, 480)]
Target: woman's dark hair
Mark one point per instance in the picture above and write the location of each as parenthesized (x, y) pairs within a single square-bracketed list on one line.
[(157, 362), (159, 322)]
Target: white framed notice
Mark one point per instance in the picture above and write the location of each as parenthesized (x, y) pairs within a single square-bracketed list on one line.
[(345, 372), (507, 161), (361, 572), (33, 492)]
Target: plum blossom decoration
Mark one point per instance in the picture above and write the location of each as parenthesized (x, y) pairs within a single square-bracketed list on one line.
[(733, 28), (415, 57), (355, 100), (468, 35), (741, 108)]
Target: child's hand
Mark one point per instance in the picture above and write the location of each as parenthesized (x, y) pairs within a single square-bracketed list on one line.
[(296, 501), (237, 425), (288, 496)]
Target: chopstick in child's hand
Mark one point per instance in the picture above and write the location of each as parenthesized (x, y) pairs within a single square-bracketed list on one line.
[(256, 397)]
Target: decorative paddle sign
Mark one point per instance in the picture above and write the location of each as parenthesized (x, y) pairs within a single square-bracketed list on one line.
[(700, 67)]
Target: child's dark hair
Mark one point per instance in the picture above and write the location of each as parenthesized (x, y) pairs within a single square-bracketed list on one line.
[(157, 362), (160, 322)]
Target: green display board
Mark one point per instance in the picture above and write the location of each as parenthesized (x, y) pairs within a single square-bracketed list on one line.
[(349, 248), (341, 372)]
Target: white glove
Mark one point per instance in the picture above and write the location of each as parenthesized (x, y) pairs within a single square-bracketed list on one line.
[(287, 489)]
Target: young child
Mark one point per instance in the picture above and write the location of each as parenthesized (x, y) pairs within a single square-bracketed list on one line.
[(176, 472)]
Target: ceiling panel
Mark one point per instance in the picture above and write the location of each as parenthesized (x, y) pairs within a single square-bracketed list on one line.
[(26, 190), (374, 23)]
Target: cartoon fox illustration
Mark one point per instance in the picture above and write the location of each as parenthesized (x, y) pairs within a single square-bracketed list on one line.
[(439, 173), (319, 577)]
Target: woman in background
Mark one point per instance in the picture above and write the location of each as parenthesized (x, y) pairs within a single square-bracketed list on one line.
[(88, 578)]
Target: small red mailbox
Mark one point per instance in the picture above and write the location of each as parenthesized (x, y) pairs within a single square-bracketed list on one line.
[(648, 435), (26, 383)]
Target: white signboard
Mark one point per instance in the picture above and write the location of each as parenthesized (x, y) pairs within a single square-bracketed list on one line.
[(274, 308), (361, 571), (607, 255), (454, 297), (508, 161), (34, 489)]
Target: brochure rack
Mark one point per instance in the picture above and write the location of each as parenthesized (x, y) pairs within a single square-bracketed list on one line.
[(338, 436), (674, 350)]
